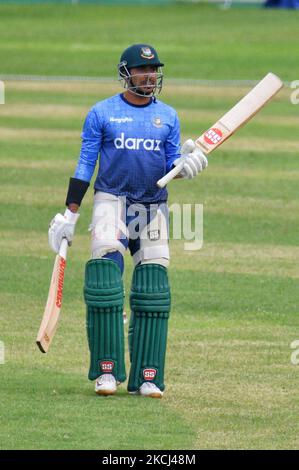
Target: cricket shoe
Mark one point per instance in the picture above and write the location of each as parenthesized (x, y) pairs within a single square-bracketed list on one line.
[(106, 385), (148, 389)]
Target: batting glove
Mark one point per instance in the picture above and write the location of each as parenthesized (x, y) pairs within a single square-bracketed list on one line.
[(62, 226), (195, 161)]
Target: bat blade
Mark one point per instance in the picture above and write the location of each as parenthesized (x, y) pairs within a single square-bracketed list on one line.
[(235, 118), (52, 310)]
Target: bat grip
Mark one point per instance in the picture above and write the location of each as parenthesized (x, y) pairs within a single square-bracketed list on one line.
[(63, 248), (170, 175)]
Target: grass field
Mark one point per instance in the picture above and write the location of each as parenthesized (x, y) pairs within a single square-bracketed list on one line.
[(230, 381)]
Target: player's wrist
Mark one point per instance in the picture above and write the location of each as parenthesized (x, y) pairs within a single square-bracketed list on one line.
[(73, 207)]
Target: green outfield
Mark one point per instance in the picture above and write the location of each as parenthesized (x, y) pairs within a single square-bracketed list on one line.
[(230, 380)]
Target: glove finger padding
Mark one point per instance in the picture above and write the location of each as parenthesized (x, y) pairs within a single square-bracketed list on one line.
[(192, 167), (54, 232), (203, 160), (195, 162), (193, 159), (187, 147)]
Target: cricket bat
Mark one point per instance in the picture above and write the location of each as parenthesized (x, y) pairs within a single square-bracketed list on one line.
[(53, 306), (235, 118)]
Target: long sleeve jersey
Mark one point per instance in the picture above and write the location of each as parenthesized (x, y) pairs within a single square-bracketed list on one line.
[(135, 147)]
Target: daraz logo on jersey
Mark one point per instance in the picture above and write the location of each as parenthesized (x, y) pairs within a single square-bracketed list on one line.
[(132, 143)]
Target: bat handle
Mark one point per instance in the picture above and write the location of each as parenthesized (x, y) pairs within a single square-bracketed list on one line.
[(63, 248), (170, 175)]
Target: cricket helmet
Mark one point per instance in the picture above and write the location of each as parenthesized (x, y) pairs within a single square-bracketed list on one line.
[(139, 55)]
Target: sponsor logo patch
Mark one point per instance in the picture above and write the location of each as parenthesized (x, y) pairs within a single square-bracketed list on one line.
[(132, 143), (154, 235), (107, 366), (213, 136), (121, 120), (146, 53), (149, 374)]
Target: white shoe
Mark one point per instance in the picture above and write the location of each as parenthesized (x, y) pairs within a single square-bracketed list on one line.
[(105, 385), (148, 389)]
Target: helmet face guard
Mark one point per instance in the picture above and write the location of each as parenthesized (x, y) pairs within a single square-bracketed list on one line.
[(137, 56), (127, 80)]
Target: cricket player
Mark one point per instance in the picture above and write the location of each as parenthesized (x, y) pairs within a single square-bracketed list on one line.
[(136, 139)]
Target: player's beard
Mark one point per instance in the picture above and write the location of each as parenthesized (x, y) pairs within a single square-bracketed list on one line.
[(149, 92), (137, 88), (147, 88)]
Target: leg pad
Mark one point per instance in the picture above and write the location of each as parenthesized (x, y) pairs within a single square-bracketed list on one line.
[(104, 297), (150, 305)]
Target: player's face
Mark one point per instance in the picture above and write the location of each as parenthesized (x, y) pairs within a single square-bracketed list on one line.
[(144, 78)]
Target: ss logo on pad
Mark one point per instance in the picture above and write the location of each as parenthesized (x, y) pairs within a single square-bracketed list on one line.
[(153, 235)]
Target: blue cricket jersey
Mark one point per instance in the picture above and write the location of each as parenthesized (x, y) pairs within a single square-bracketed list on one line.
[(137, 146)]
